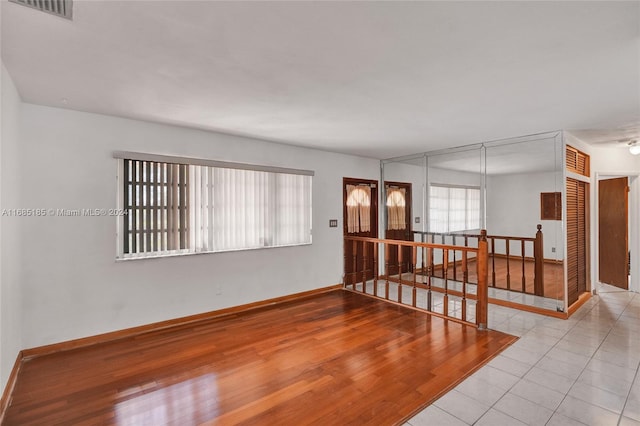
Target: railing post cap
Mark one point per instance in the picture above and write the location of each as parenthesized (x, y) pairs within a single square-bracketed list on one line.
[(539, 227)]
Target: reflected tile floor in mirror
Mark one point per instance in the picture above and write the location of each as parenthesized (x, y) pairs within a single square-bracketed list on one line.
[(455, 301), (580, 371), (497, 293)]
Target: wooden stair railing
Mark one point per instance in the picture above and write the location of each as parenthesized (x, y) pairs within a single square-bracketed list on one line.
[(511, 260), (360, 271)]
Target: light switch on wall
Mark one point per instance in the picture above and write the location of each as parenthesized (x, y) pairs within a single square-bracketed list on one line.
[(333, 223)]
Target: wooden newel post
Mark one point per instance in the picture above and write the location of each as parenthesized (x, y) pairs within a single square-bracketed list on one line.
[(483, 275), (538, 256), (345, 262)]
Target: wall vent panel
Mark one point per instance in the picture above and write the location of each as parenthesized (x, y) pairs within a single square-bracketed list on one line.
[(60, 8)]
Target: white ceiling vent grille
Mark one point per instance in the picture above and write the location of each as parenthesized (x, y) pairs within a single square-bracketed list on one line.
[(55, 7)]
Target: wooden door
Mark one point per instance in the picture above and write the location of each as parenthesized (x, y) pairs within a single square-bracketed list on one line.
[(613, 232), (577, 238), (360, 197), (395, 229)]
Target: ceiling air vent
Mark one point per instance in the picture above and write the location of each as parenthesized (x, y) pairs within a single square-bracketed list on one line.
[(60, 8)]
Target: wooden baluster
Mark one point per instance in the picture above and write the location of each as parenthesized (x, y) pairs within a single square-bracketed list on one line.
[(430, 256), (386, 268), (442, 265), (465, 275), (493, 262), (466, 244), (454, 259), (425, 268), (507, 244), (375, 269), (538, 258), (399, 273), (414, 259), (345, 262), (482, 301), (442, 241), (355, 263), (365, 258), (445, 269), (524, 279)]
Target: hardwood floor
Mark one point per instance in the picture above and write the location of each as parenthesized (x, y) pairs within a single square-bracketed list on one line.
[(333, 358), (553, 275)]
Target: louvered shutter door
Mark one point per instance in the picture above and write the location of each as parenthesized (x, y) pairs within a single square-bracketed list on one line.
[(572, 240), (582, 238), (576, 238)]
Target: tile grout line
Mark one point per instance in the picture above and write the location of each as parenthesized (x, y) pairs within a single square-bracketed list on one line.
[(615, 321), (590, 359), (634, 377), (534, 365), (493, 406), (549, 350)]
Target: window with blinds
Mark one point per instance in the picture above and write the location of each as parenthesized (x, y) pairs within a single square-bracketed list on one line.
[(180, 208), (453, 208)]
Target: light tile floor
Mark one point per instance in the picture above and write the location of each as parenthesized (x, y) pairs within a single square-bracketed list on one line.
[(580, 371)]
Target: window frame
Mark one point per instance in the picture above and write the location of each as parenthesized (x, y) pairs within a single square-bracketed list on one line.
[(121, 156)]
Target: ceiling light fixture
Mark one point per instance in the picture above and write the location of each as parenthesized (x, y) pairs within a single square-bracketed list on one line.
[(634, 148)]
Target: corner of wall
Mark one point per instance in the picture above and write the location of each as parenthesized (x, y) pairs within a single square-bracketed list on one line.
[(10, 251)]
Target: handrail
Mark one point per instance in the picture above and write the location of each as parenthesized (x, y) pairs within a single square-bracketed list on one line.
[(538, 258), (362, 264), (412, 243), (455, 234)]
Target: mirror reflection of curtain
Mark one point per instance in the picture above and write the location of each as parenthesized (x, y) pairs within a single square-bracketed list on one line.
[(396, 205), (358, 208), (457, 209)]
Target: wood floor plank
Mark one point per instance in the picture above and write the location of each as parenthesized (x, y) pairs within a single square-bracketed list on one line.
[(337, 357)]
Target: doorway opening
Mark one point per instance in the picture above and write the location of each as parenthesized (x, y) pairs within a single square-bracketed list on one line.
[(614, 233)]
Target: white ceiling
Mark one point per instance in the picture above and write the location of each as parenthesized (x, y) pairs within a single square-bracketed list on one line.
[(379, 79), (534, 154)]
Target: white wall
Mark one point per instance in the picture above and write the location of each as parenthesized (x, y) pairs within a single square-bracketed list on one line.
[(453, 177), (10, 237), (513, 208), (72, 285)]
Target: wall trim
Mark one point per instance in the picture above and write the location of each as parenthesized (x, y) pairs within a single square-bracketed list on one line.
[(8, 388), (529, 308), (161, 325), (582, 299)]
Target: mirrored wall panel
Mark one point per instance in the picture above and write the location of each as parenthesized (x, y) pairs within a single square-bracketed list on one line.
[(512, 188)]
